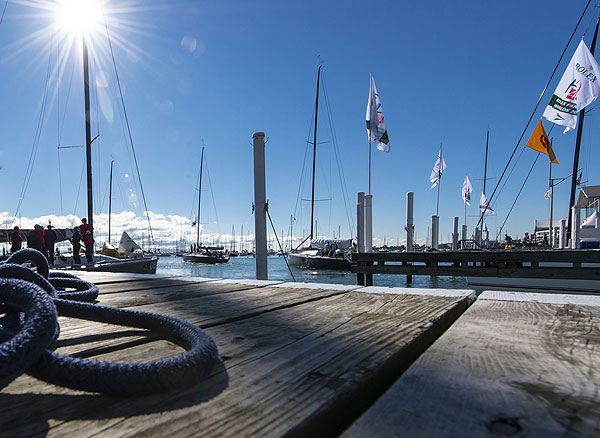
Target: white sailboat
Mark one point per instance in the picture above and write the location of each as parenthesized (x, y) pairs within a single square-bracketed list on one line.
[(204, 254), (331, 254)]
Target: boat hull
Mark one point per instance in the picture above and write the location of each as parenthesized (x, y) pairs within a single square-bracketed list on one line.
[(133, 266), (305, 261), (204, 258)]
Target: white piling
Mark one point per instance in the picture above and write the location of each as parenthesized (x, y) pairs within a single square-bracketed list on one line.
[(410, 228), (455, 235), (435, 223), (563, 234), (464, 236), (260, 203), (368, 223), (575, 234), (360, 222)]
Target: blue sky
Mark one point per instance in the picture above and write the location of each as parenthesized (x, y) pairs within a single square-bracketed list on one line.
[(218, 71)]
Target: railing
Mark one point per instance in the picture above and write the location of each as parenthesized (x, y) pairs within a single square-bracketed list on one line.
[(564, 264)]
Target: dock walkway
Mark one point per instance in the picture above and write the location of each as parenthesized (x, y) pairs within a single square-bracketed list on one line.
[(306, 359)]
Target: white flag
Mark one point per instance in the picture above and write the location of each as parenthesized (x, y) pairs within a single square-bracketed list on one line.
[(438, 169), (375, 121), (548, 193), (467, 189), (483, 203), (578, 87)]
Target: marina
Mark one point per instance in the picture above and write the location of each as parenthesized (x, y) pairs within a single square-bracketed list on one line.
[(323, 360), (401, 312)]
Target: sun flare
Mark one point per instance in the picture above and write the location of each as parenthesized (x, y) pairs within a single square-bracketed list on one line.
[(78, 16)]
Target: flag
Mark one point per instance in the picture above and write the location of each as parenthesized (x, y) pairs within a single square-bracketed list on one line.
[(483, 203), (375, 121), (467, 189), (548, 193), (539, 142), (577, 88), (438, 169)]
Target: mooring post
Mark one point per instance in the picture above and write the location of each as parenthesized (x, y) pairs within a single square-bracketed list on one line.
[(368, 223), (455, 235), (562, 233), (464, 237), (360, 232), (575, 215), (410, 228), (260, 205), (435, 223)]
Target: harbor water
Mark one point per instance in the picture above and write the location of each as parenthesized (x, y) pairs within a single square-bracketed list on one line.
[(244, 267)]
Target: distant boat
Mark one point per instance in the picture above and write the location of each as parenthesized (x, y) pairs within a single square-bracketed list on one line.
[(208, 254), (324, 254), (205, 254), (321, 253)]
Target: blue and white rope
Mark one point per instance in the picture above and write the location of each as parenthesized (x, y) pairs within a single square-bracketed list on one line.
[(33, 300)]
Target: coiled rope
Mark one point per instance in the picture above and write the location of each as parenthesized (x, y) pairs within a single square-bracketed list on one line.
[(32, 302)]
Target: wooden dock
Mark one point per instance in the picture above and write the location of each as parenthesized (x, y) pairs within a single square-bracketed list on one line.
[(558, 264), (312, 360), (513, 365)]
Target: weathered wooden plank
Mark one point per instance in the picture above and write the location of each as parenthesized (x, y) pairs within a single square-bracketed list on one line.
[(301, 369), (512, 365), (85, 339)]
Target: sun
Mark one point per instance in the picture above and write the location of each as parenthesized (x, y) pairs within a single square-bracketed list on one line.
[(79, 17)]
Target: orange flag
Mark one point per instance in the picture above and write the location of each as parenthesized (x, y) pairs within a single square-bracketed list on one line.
[(539, 142)]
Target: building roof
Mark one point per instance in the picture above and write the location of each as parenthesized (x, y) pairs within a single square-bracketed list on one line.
[(588, 197)]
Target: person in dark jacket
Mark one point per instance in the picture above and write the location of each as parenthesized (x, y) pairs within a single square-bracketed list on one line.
[(75, 241), (50, 237), (17, 240), (35, 239)]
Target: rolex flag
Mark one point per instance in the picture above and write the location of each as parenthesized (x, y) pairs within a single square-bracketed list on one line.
[(438, 169), (375, 121), (467, 189), (484, 205), (577, 88)]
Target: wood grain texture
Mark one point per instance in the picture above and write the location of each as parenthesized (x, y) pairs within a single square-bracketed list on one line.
[(505, 368), (294, 361)]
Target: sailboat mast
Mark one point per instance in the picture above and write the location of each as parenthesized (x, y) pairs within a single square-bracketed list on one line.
[(312, 199), (110, 199), (578, 144), (487, 141), (88, 133), (199, 198)]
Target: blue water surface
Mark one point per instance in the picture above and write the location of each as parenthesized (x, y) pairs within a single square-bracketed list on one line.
[(244, 267)]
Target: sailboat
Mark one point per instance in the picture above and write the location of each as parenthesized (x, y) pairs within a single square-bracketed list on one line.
[(321, 253), (127, 257), (104, 263), (204, 254)]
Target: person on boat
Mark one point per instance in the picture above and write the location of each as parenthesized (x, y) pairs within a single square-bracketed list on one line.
[(76, 242), (87, 238), (526, 240), (17, 240), (35, 239), (50, 238)]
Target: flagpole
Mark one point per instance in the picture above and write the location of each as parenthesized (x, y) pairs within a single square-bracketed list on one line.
[(578, 145), (369, 165), (550, 228)]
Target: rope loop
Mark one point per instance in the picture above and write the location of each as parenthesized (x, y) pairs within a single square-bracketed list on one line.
[(33, 301)]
